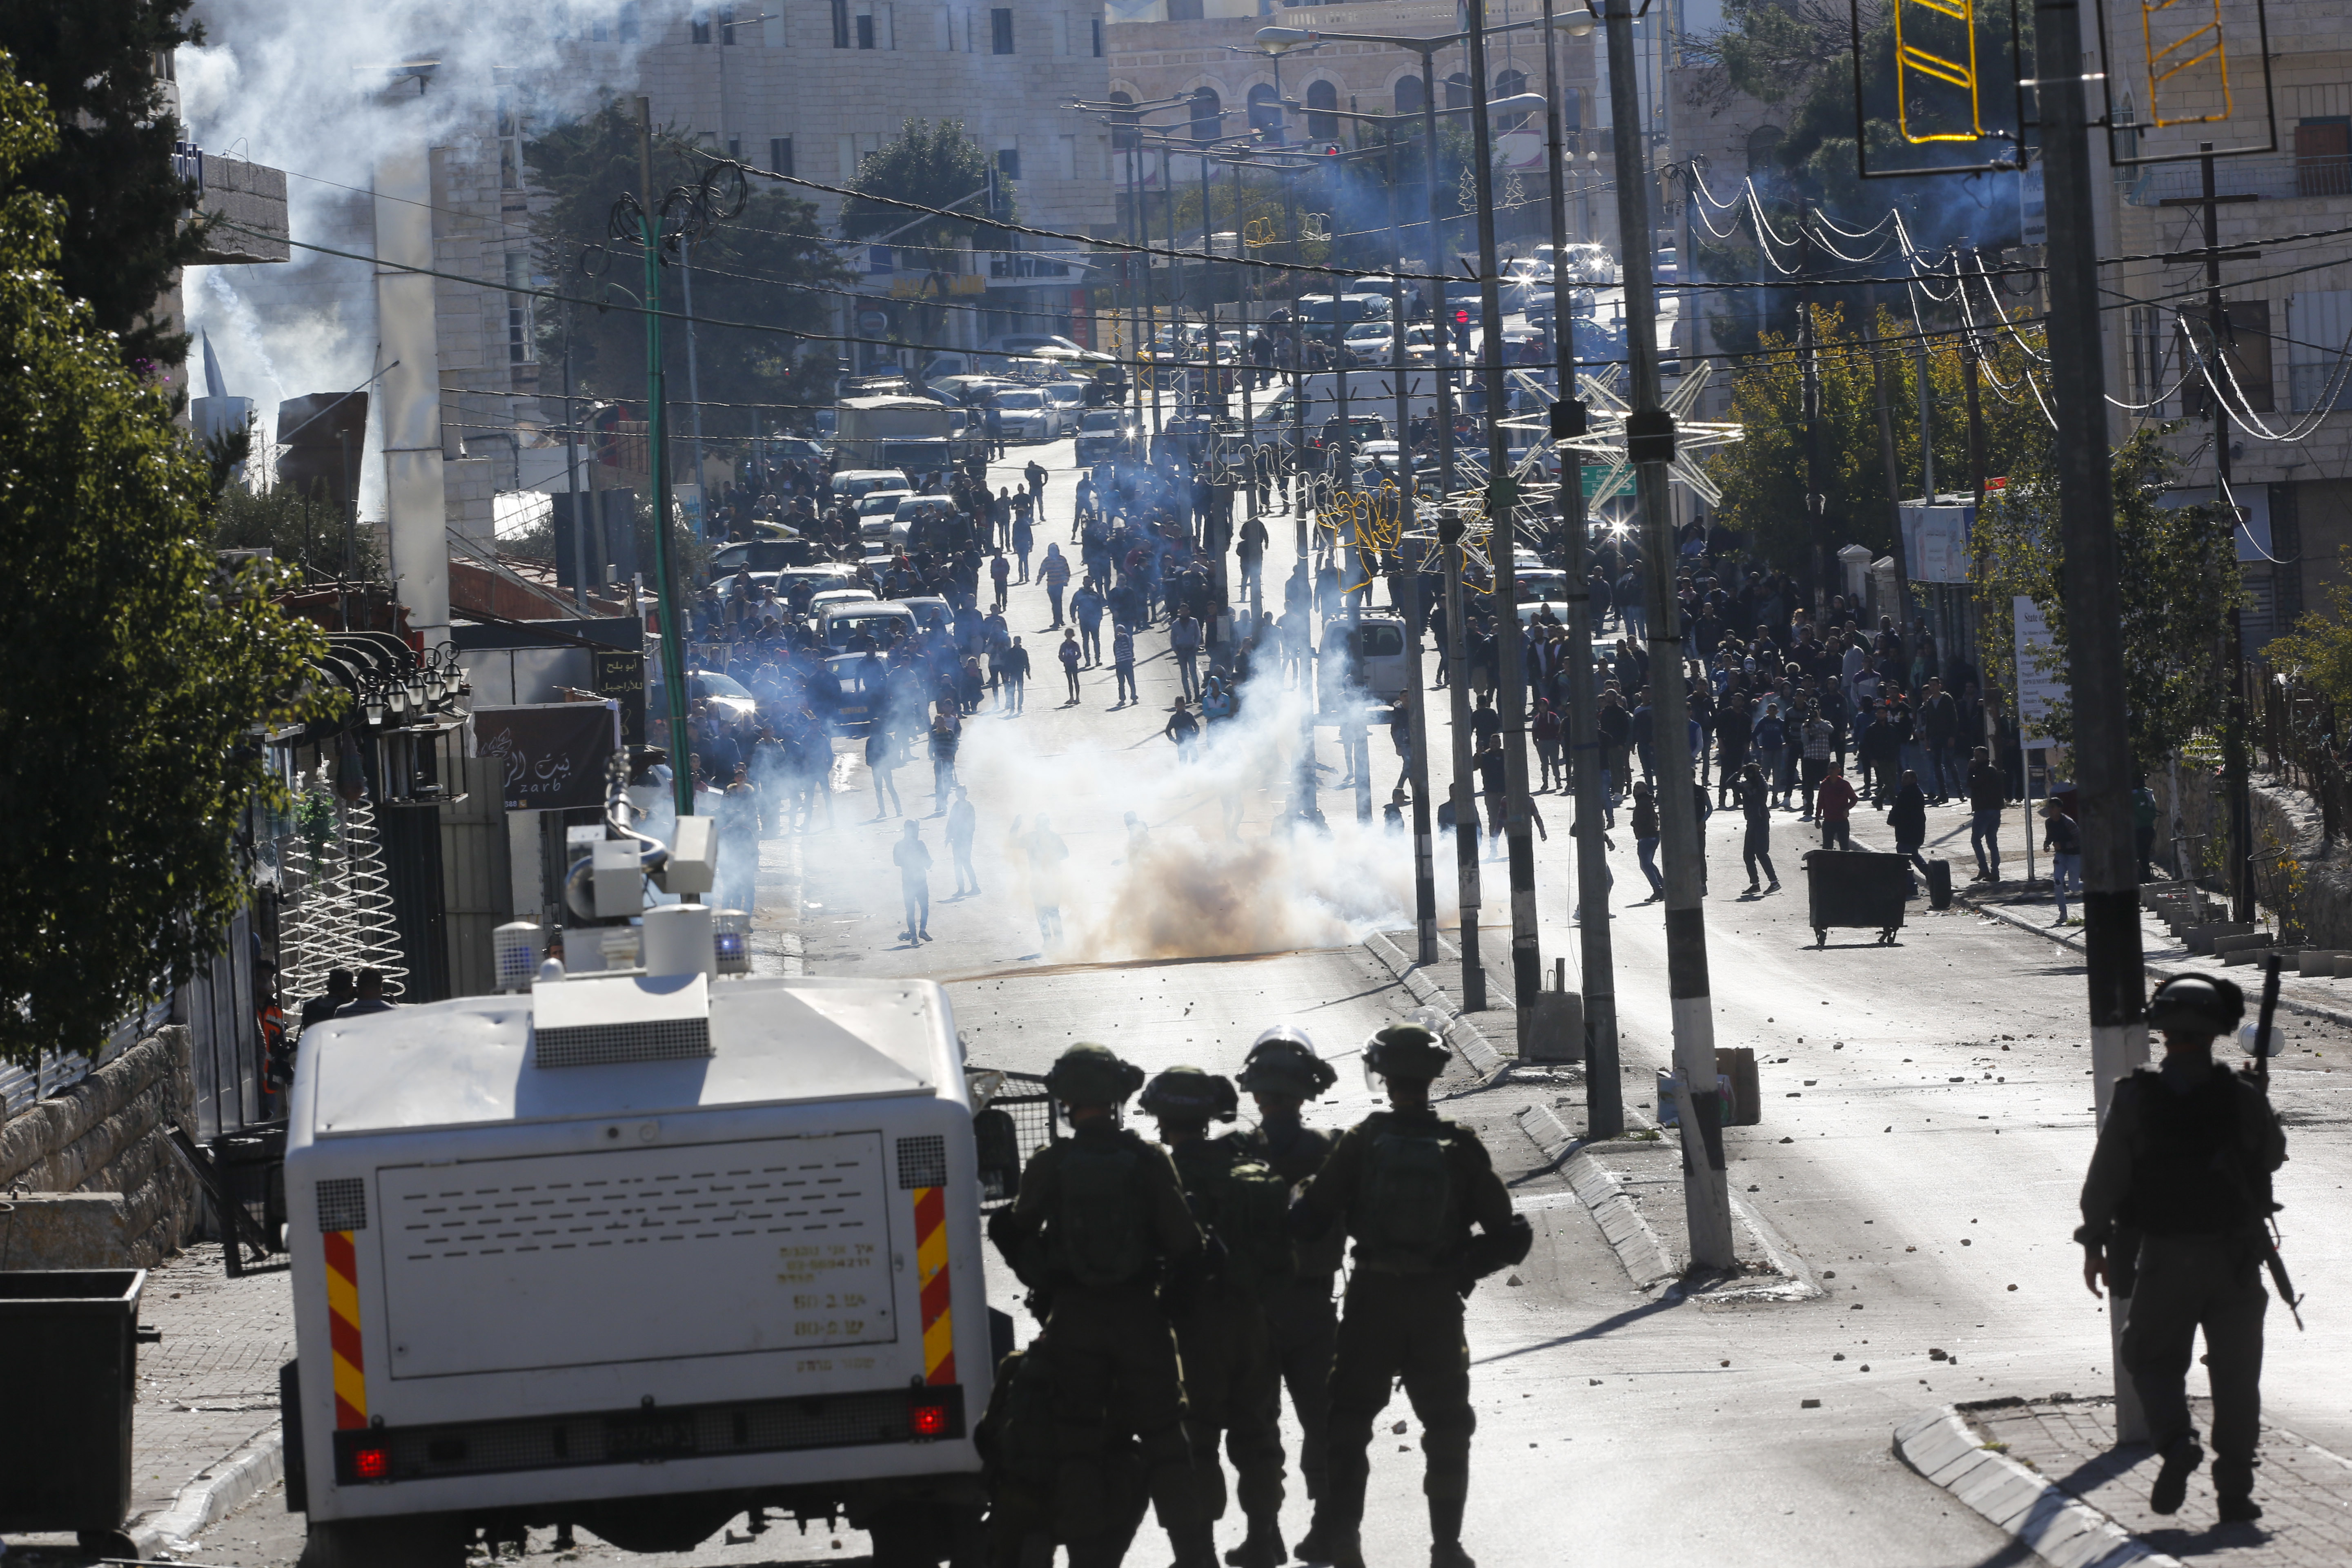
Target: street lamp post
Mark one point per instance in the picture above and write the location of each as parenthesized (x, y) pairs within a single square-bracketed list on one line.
[(1650, 443), (1604, 1096)]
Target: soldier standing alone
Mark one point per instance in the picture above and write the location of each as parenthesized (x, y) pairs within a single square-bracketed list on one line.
[(2179, 1189), (1408, 1186), (1101, 1215)]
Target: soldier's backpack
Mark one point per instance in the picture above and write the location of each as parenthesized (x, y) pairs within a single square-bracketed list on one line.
[(1253, 1219), (1408, 1215), (1102, 1229)]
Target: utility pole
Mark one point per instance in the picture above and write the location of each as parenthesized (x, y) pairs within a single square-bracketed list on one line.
[(693, 380), (672, 604), (1450, 531), (1809, 368), (1407, 563), (2091, 581), (580, 530), (2234, 760), (1502, 537), (1650, 443), (1437, 323), (1604, 1095)]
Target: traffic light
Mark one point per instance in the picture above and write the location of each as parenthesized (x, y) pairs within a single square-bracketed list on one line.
[(1331, 151), (1461, 315)]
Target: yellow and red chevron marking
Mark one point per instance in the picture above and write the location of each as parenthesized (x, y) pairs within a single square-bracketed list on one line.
[(931, 1273), (343, 1329)]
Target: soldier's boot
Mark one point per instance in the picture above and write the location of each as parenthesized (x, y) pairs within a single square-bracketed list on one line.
[(2181, 1457), (1446, 1534), (2233, 1484), (1263, 1548)]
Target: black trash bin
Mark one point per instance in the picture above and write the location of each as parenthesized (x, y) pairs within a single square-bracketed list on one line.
[(65, 1443), (1848, 888)]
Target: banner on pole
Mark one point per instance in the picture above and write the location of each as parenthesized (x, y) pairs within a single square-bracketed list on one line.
[(2040, 677)]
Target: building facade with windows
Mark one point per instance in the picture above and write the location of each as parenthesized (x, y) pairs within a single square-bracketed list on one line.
[(2281, 362)]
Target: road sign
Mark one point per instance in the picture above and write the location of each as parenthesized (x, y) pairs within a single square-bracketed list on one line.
[(2040, 677)]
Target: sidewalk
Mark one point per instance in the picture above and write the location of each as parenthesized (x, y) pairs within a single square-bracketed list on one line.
[(2068, 1445)]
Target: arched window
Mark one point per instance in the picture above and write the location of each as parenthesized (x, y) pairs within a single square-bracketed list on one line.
[(1457, 91), (1124, 136), (1510, 84), (1264, 113), (1322, 125), (1408, 95), (1763, 149), (1206, 108)]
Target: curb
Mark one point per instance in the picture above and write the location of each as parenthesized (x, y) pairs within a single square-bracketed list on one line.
[(2287, 1004), (2060, 1529), (218, 1491), (1638, 1248), (1460, 1033)]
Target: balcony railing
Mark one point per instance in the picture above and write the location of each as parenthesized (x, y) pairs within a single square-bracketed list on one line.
[(2280, 176)]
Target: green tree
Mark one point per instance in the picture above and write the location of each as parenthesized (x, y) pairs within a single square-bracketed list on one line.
[(1763, 475), (2179, 582), (769, 265), (139, 671), (938, 166), (2319, 649), (126, 227)]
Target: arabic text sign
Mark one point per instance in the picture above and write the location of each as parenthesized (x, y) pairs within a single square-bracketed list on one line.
[(2040, 677), (556, 753)]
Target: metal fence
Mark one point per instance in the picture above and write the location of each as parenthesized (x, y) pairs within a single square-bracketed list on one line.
[(2305, 741)]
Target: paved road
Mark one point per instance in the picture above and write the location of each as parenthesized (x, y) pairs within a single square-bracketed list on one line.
[(1927, 1115)]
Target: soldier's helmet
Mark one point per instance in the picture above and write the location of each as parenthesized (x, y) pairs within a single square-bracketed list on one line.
[(1284, 1060), (1406, 1050), (2198, 1003), (1092, 1074), (1189, 1094)]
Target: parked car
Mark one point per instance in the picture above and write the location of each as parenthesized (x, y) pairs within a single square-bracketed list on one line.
[(1105, 435), (762, 556), (722, 691), (1366, 660), (850, 484), (886, 623)]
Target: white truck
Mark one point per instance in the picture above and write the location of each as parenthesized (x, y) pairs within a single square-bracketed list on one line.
[(913, 434), (638, 1252)]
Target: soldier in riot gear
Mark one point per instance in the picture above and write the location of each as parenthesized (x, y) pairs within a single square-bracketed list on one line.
[(1409, 1187), (1230, 1386), (1281, 1073), (1100, 1221), (2179, 1194)]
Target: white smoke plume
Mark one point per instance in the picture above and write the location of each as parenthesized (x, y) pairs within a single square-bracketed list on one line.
[(308, 87)]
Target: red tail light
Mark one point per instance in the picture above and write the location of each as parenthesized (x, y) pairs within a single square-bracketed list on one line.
[(372, 1464), (928, 1420)]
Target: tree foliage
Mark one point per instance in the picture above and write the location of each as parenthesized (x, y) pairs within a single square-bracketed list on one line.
[(138, 670), (124, 230), (2179, 580), (769, 265), (1763, 475), (2319, 649), (935, 164)]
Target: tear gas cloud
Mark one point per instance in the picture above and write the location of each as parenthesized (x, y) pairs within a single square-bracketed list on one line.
[(303, 86)]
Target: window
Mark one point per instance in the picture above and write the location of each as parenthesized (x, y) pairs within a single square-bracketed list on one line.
[(841, 24), (1067, 161), (780, 155), (628, 28), (735, 148), (726, 24), (1008, 162), (2245, 349), (521, 341), (1097, 25), (1763, 149), (2322, 157), (1265, 113), (1457, 91), (699, 28), (1408, 95), (1322, 125), (2318, 326), (2125, 174), (1000, 30), (2145, 324), (1207, 111), (1183, 10), (1510, 84), (1123, 135), (509, 147), (865, 30)]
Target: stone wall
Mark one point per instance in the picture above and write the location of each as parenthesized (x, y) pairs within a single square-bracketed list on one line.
[(90, 1174), (2323, 902)]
